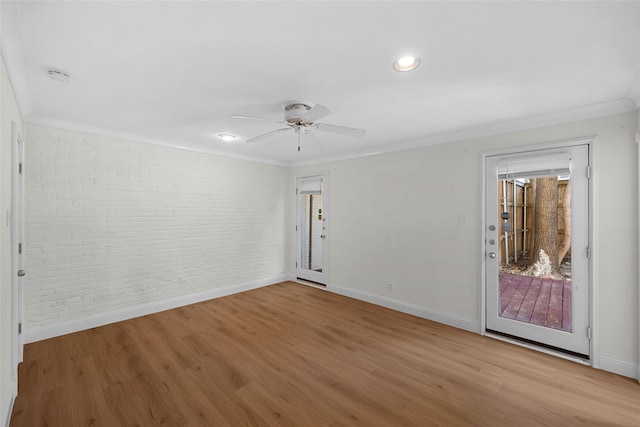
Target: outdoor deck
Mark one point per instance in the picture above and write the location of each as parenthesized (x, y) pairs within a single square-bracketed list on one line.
[(544, 302)]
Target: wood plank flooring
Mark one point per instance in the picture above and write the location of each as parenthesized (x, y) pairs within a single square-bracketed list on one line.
[(291, 355), (543, 302)]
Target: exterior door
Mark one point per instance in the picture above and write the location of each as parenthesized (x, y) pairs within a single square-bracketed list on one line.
[(311, 229), (537, 247)]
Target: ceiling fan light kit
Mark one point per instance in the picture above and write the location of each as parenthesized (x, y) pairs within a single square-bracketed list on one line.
[(301, 117)]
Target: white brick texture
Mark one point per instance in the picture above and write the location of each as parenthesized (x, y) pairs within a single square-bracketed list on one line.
[(112, 224)]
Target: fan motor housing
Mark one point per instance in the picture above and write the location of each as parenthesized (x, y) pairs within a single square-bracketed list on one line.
[(293, 113)]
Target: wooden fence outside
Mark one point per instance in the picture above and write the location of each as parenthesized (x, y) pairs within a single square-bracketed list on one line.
[(519, 242)]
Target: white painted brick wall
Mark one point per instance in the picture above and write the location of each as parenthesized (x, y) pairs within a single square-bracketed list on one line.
[(112, 224)]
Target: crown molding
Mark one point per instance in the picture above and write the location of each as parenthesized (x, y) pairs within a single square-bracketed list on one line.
[(603, 109), (634, 91), (162, 142)]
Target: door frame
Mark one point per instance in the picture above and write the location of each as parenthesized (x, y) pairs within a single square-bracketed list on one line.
[(592, 142), (326, 212), (17, 258)]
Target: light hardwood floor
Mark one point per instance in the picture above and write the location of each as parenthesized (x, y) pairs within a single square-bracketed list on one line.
[(291, 355)]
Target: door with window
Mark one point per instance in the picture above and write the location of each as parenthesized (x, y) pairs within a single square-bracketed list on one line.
[(537, 247), (311, 229)]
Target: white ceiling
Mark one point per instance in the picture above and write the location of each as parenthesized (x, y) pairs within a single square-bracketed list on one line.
[(175, 72)]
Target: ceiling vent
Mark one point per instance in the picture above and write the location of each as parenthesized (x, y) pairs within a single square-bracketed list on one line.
[(59, 76)]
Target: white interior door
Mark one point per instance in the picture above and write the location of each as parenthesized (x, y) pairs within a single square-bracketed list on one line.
[(17, 233), (311, 229), (538, 303)]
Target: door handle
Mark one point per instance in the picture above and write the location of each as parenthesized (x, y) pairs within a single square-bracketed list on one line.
[(492, 255), (21, 273)]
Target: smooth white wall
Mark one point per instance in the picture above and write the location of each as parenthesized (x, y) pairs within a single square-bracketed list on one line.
[(114, 224), (9, 112), (395, 219)]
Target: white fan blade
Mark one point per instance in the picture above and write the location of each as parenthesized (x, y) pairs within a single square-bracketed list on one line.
[(257, 118), (316, 112), (342, 130), (267, 135)]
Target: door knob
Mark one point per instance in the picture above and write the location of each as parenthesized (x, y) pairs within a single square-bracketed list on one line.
[(492, 254), (21, 273)]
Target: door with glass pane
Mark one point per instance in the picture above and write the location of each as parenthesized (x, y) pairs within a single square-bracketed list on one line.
[(537, 247), (311, 229)]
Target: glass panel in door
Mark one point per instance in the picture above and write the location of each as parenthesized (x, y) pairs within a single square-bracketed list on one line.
[(311, 229), (311, 233)]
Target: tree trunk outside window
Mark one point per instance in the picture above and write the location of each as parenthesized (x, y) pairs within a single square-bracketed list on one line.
[(546, 219)]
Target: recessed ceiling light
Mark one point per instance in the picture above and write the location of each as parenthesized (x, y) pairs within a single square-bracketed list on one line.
[(59, 75), (227, 137), (406, 63)]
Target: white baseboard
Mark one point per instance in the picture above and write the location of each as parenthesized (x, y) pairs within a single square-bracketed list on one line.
[(415, 310), (143, 310), (619, 367), (605, 363), (8, 403)]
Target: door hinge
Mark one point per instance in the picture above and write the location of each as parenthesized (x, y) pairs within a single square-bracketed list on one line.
[(588, 252), (19, 248), (588, 172), (589, 332), (296, 264), (296, 191), (20, 327), (19, 167)]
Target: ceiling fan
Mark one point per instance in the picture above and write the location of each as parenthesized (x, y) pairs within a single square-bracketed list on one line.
[(301, 117)]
